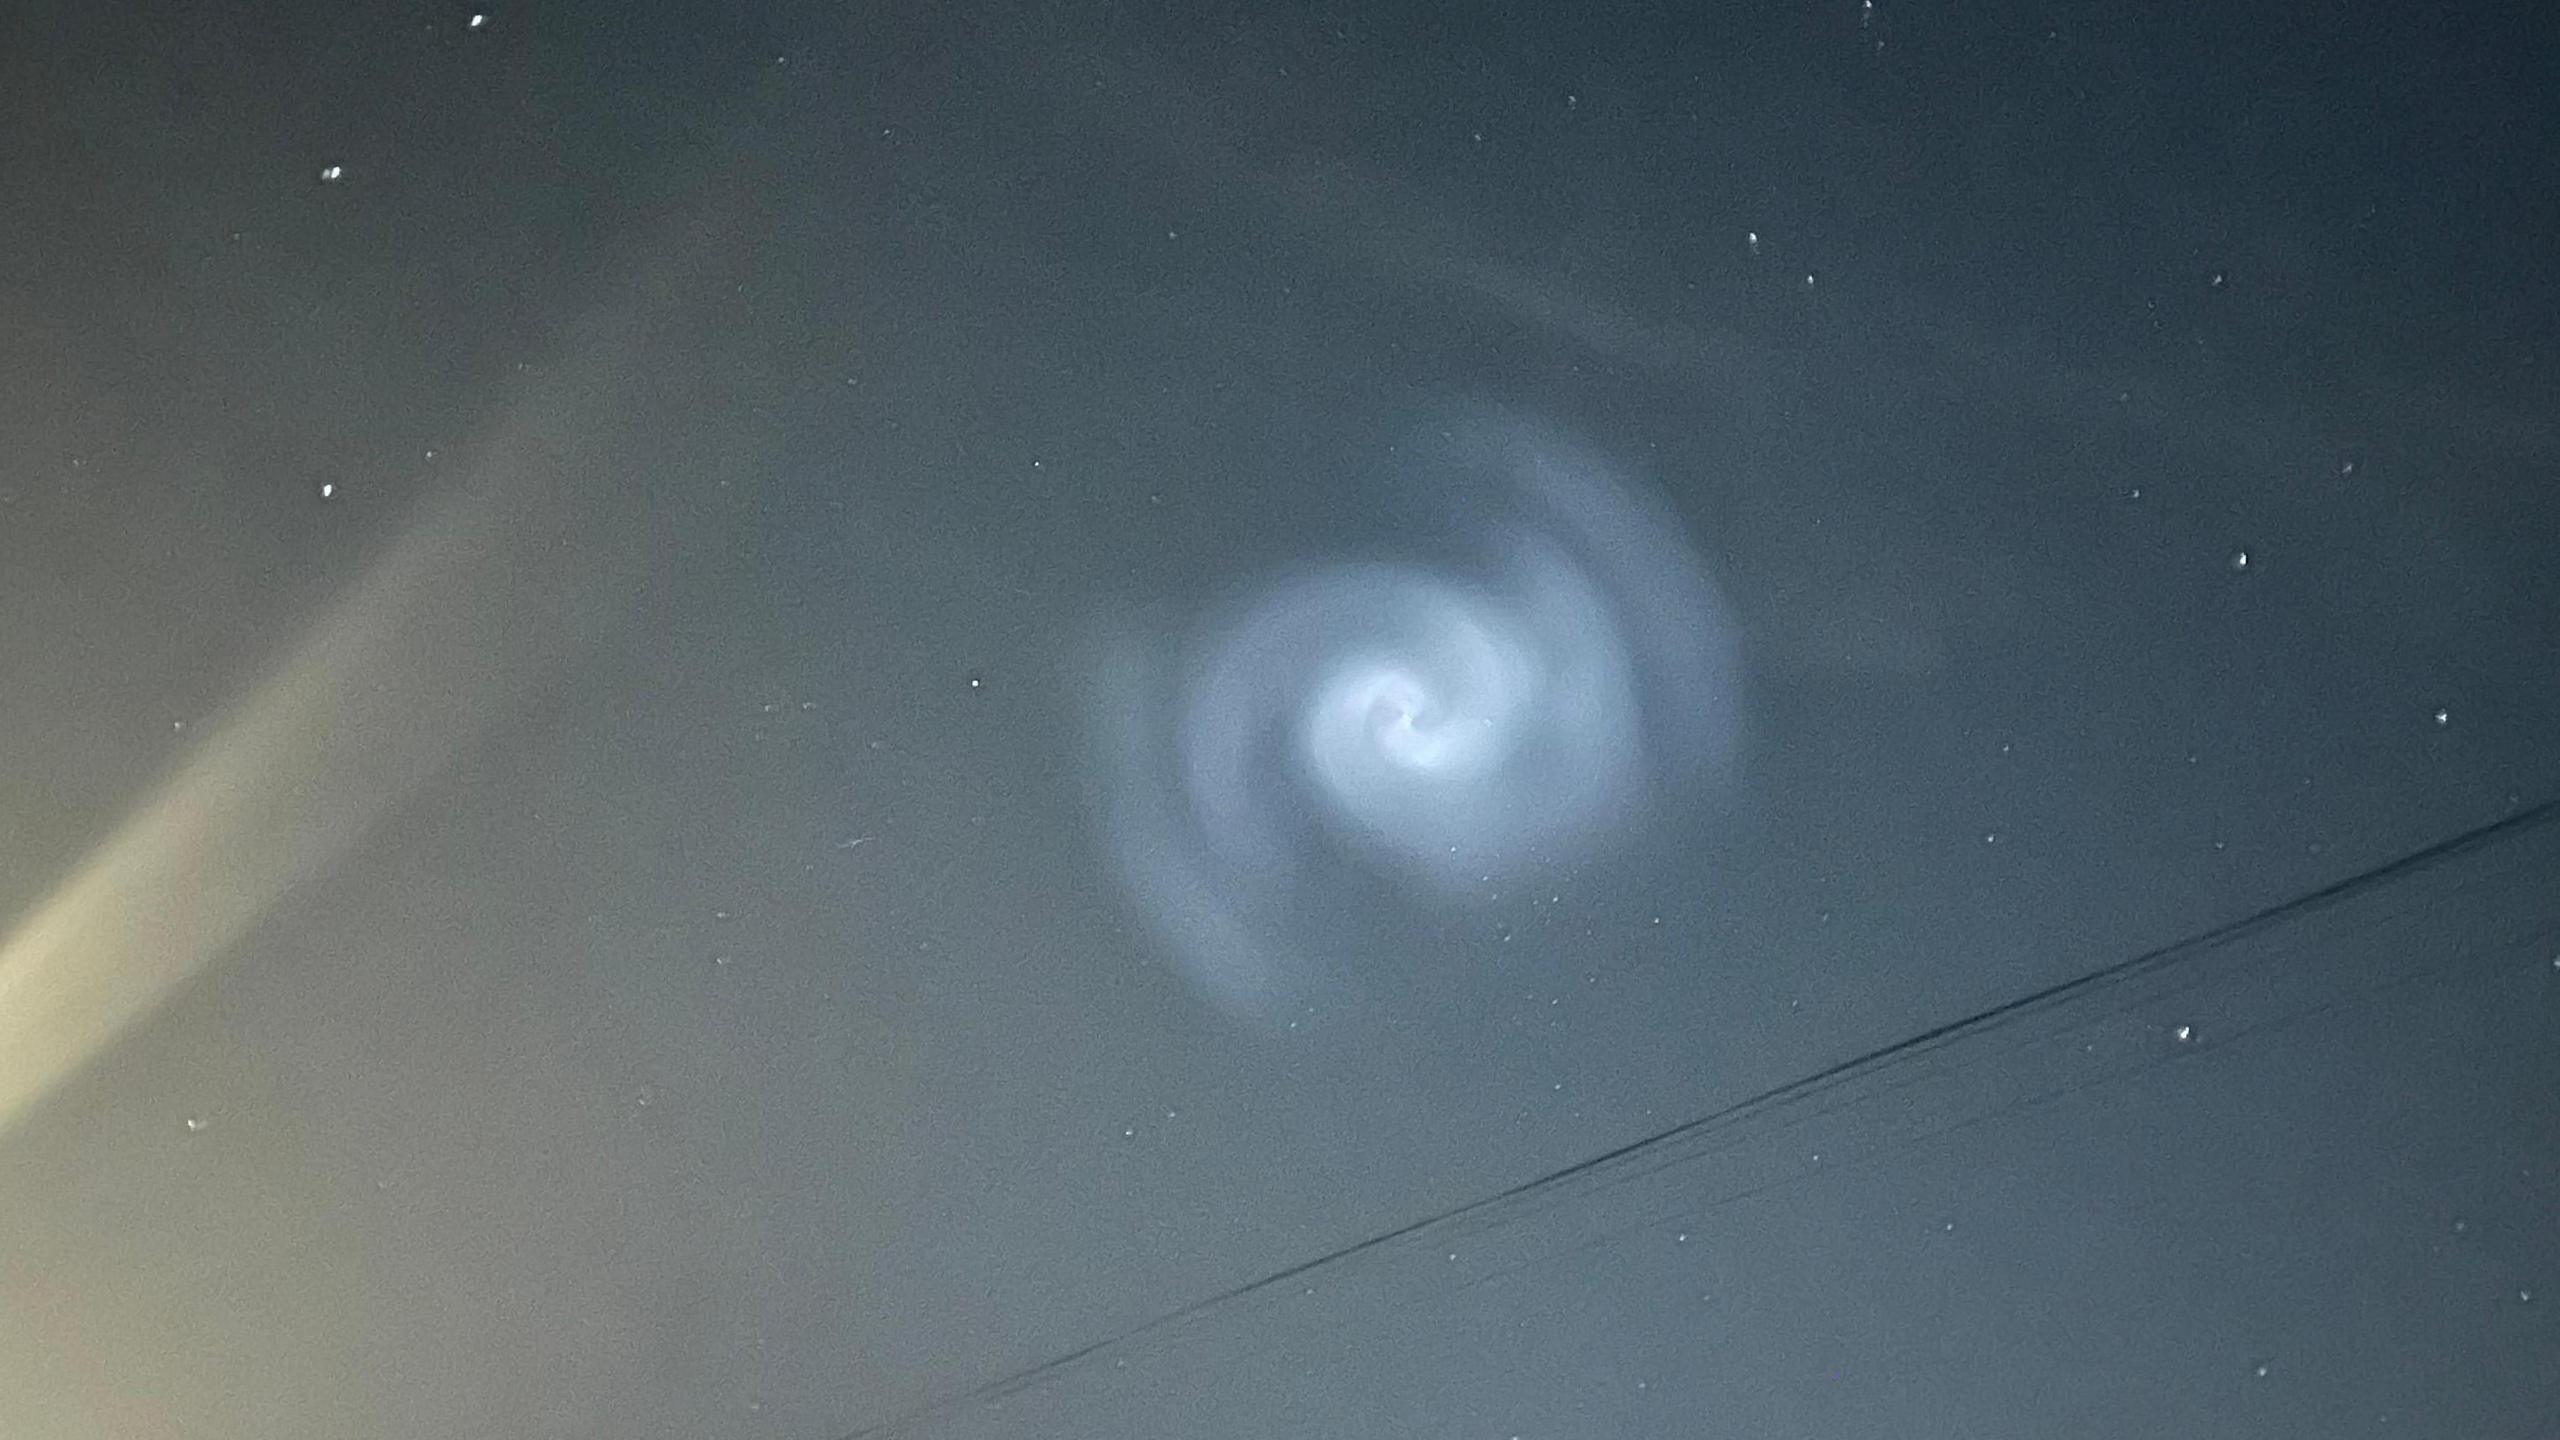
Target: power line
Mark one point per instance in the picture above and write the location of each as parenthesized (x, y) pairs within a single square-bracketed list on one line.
[(2179, 953)]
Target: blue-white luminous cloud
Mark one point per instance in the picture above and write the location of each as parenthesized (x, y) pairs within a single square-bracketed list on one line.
[(1528, 696)]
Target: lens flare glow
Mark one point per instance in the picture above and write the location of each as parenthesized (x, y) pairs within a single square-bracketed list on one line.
[(1528, 698)]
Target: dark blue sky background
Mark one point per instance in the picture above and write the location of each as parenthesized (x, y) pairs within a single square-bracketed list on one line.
[(742, 1029)]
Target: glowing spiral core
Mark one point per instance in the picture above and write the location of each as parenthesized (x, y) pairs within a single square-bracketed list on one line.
[(1443, 725)]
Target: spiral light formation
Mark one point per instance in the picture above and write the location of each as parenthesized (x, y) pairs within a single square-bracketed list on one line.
[(1446, 721)]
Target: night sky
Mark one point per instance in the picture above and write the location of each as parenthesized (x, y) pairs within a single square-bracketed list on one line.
[(792, 720)]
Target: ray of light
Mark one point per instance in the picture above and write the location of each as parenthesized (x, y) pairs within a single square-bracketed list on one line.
[(477, 602)]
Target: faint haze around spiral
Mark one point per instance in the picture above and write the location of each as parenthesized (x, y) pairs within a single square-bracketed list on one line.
[(1535, 684)]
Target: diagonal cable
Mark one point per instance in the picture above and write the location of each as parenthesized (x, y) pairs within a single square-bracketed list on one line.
[(1910, 1048)]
